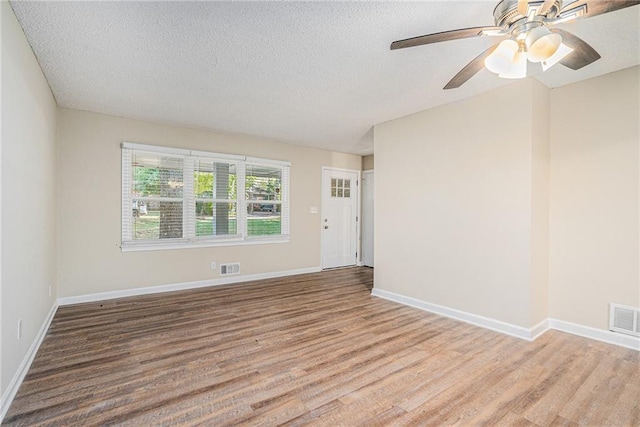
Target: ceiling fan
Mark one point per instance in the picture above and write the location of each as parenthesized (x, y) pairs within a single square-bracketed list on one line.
[(529, 34)]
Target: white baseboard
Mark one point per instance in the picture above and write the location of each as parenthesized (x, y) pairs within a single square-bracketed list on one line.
[(101, 296), (609, 337), (530, 334), (538, 329), (16, 381), (474, 319)]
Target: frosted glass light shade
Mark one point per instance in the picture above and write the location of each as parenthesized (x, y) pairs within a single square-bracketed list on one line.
[(542, 44), (501, 59), (518, 68), (562, 51)]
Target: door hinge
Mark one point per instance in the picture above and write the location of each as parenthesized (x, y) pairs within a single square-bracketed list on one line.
[(356, 218), (356, 255)]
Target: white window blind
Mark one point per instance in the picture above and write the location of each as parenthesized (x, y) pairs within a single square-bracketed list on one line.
[(263, 191), (180, 198)]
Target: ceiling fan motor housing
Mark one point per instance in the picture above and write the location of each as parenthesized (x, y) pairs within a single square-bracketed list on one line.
[(506, 12)]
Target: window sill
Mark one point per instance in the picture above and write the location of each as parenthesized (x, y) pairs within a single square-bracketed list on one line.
[(202, 244)]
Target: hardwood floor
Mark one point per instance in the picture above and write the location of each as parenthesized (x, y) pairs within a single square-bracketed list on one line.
[(312, 349)]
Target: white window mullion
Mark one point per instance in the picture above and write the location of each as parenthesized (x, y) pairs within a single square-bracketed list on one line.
[(189, 203), (127, 202), (241, 207), (214, 194), (284, 220)]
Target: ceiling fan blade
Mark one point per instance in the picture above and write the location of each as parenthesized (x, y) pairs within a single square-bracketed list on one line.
[(595, 7), (470, 70), (523, 7), (583, 54), (445, 36)]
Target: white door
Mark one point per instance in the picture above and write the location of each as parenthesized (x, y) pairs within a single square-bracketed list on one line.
[(367, 218), (339, 217)]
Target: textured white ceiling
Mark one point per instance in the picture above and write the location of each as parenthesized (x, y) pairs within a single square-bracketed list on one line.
[(311, 73)]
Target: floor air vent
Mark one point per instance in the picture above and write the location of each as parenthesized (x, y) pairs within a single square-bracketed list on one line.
[(226, 269), (624, 319)]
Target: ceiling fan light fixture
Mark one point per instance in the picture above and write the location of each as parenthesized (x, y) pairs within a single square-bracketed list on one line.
[(501, 59), (542, 44), (527, 24), (518, 68), (562, 51)]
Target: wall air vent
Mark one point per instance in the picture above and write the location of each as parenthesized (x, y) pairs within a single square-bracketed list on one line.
[(226, 269), (624, 319)]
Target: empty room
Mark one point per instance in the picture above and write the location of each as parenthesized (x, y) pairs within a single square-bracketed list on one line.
[(332, 213)]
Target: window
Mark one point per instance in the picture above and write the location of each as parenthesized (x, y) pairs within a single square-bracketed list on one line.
[(215, 188), (174, 198), (263, 185), (340, 187), (157, 196)]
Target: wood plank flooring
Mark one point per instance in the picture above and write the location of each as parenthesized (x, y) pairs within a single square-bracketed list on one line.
[(313, 349)]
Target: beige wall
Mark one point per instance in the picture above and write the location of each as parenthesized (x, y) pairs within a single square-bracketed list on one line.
[(456, 184), (540, 181), (594, 239), (516, 219), (367, 162), (28, 207), (89, 206)]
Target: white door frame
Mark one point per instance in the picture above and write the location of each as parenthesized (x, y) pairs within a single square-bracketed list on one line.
[(322, 212), (362, 213)]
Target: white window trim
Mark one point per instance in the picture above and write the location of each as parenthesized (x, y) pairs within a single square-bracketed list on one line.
[(190, 240)]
